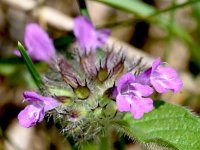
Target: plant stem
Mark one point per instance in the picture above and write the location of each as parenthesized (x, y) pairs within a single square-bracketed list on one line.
[(173, 7), (83, 8), (118, 23), (133, 20)]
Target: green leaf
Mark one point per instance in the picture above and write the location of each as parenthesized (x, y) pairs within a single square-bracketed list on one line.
[(168, 125), (31, 68)]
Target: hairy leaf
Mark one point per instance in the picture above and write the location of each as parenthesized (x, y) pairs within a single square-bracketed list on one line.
[(168, 125)]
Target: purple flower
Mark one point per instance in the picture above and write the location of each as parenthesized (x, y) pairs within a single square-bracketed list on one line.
[(35, 111), (88, 37), (131, 96), (161, 78), (39, 46)]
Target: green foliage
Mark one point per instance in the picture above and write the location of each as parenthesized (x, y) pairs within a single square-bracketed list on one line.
[(31, 67), (140, 8), (152, 15), (132, 6), (167, 125)]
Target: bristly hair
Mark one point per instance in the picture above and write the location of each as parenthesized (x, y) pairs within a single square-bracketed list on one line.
[(90, 78)]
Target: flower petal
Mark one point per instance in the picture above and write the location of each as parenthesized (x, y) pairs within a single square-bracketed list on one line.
[(147, 104), (136, 110), (123, 103), (166, 78), (167, 72), (161, 78), (142, 90), (159, 86), (141, 106), (31, 95), (84, 32), (30, 115), (125, 79), (88, 37), (38, 43), (48, 102), (102, 37), (144, 77), (177, 85), (156, 63), (16, 52), (162, 85)]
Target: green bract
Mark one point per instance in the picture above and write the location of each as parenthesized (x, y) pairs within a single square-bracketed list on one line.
[(31, 68)]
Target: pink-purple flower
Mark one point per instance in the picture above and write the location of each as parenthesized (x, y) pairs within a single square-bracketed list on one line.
[(162, 78), (39, 45), (35, 111), (132, 91), (88, 37), (131, 96)]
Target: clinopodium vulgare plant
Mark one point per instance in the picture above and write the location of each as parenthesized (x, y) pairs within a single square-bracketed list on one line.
[(90, 105), (101, 91)]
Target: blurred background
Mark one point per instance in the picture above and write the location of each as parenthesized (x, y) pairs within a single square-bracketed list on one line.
[(151, 28)]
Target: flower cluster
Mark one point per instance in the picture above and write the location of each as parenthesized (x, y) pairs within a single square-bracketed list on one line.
[(40, 48), (132, 91), (92, 99)]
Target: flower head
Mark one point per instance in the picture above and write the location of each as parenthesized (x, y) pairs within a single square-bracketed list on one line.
[(88, 37), (39, 45), (161, 78), (35, 111), (131, 96)]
